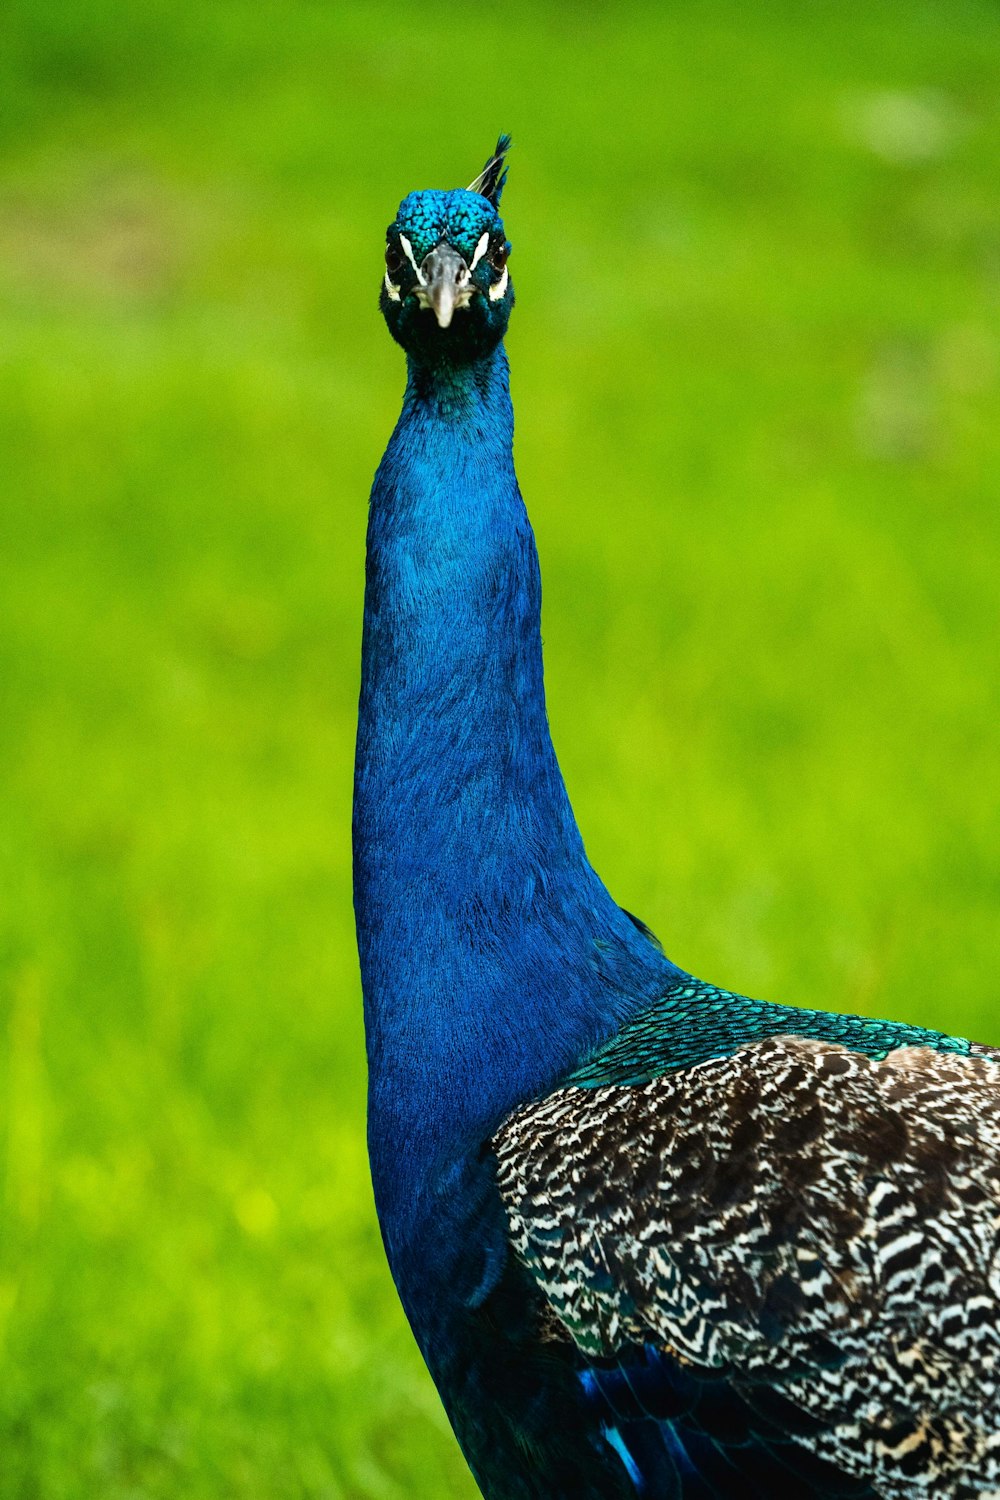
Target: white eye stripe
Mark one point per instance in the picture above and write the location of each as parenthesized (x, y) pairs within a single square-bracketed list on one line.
[(391, 288), (497, 291), (481, 249), (408, 252)]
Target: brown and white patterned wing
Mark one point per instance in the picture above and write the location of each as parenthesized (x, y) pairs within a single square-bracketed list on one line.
[(801, 1220)]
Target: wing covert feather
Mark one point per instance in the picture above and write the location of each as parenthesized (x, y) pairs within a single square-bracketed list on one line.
[(819, 1228)]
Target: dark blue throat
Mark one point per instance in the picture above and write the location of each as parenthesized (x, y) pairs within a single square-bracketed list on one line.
[(492, 956)]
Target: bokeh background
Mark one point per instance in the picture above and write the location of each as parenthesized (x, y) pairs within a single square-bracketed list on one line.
[(756, 372)]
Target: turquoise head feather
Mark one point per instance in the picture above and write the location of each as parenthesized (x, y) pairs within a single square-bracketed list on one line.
[(446, 293)]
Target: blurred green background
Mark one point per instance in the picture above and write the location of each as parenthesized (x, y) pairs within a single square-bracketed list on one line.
[(756, 373)]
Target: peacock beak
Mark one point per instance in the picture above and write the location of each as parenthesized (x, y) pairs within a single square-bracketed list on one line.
[(444, 282)]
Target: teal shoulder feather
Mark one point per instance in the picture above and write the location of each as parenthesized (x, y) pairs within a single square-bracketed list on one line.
[(695, 1021)]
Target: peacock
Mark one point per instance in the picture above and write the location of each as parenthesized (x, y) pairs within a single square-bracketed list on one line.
[(653, 1238)]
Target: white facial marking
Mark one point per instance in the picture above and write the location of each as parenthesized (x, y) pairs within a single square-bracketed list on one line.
[(408, 252), (391, 289), (496, 292), (480, 251)]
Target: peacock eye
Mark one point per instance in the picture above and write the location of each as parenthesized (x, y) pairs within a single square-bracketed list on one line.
[(393, 260), (498, 256)]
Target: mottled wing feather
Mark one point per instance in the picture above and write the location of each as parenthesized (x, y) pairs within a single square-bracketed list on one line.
[(816, 1229)]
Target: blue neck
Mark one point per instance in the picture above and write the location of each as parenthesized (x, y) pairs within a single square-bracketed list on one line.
[(492, 957)]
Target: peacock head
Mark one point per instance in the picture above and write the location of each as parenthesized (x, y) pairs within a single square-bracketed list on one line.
[(447, 293)]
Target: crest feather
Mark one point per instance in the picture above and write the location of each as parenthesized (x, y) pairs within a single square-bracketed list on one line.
[(490, 182)]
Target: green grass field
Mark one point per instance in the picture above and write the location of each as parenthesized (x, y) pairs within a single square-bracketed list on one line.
[(756, 372)]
